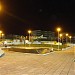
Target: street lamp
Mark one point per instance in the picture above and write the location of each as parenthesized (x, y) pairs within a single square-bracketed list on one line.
[(70, 38), (0, 10), (58, 30), (29, 31), (66, 37), (0, 33), (61, 37)]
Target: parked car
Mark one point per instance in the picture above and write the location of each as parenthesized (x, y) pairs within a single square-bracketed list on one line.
[(6, 43)]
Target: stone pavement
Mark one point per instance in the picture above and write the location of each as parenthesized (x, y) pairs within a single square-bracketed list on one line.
[(54, 63)]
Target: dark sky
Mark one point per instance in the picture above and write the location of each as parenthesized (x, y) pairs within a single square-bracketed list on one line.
[(17, 16)]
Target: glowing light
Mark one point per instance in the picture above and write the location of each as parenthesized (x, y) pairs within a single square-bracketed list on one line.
[(70, 37), (67, 34), (29, 31), (60, 35), (2, 34), (0, 31), (58, 29), (0, 6)]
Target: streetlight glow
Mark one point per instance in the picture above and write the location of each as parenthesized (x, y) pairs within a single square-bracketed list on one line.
[(70, 38), (0, 31), (29, 31), (0, 7), (60, 35), (61, 38), (58, 29), (2, 34), (67, 34), (66, 37)]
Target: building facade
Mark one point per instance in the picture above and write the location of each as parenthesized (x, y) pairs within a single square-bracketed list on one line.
[(43, 34)]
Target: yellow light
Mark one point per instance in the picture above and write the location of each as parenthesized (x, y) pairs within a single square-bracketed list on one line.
[(29, 31), (60, 35), (0, 32), (67, 34), (58, 29), (0, 6), (70, 37)]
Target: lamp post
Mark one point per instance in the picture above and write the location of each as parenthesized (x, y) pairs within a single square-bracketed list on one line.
[(61, 37), (2, 36), (66, 37), (0, 11), (29, 31), (70, 38), (0, 33), (58, 30)]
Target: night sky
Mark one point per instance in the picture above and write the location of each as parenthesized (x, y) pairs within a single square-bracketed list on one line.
[(17, 16)]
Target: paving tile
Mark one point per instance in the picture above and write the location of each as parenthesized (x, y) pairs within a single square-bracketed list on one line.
[(54, 63)]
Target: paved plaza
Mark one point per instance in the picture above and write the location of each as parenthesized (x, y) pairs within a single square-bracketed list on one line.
[(54, 63)]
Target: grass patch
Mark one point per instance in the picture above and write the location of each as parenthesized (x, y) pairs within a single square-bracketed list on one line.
[(42, 48), (41, 45)]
